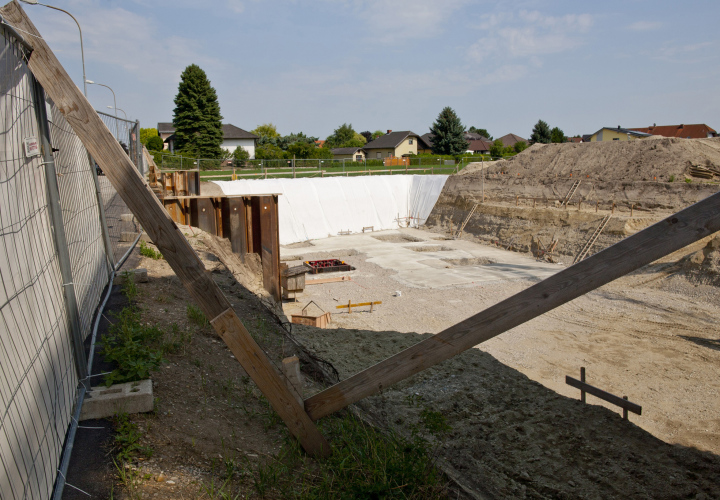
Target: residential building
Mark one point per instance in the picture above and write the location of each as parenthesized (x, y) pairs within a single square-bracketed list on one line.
[(695, 131), (617, 134), (480, 146), (233, 137), (393, 144), (512, 139), (354, 154), (165, 130)]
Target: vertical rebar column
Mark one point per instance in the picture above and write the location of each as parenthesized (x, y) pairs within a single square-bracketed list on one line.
[(55, 211)]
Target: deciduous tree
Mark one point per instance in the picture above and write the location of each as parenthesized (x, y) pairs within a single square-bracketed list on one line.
[(155, 143), (266, 130), (147, 133), (197, 119), (483, 132), (448, 134)]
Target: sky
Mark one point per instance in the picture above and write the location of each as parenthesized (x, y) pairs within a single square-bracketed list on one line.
[(310, 66)]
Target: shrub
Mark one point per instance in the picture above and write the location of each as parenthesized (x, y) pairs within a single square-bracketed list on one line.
[(155, 143)]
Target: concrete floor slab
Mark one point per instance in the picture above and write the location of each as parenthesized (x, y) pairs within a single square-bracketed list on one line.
[(427, 260)]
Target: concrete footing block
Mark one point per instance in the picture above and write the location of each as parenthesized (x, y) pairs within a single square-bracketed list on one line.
[(127, 237), (130, 397), (127, 217), (140, 274)]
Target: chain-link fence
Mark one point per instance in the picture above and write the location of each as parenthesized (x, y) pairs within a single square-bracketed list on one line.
[(56, 259)]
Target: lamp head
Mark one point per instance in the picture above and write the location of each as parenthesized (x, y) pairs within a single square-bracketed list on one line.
[(89, 81), (31, 2)]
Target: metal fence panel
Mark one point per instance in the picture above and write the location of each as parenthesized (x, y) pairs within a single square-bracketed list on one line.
[(80, 216), (38, 379), (54, 264)]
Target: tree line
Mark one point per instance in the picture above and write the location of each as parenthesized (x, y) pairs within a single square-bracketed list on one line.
[(198, 131)]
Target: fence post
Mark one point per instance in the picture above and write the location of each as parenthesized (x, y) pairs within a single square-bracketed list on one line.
[(138, 149), (55, 211)]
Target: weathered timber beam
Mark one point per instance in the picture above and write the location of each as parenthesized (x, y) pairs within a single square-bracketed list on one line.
[(672, 234), (138, 196)]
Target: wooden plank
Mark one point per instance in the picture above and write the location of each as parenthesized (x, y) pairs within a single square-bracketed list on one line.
[(320, 281), (672, 234), (234, 225), (269, 381), (358, 305), (599, 393), (140, 199), (255, 228), (270, 253), (293, 377)]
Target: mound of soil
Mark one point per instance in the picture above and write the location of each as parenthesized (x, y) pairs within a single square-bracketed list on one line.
[(703, 266), (648, 159)]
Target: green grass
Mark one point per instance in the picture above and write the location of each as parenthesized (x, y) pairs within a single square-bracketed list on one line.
[(150, 252), (196, 316), (365, 464)]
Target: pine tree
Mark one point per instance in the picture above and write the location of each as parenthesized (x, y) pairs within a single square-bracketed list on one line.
[(197, 119), (541, 133), (448, 134), (557, 135)]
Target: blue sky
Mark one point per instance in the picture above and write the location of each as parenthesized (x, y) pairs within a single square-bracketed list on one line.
[(394, 64)]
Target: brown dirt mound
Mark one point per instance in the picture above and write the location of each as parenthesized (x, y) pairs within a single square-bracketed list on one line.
[(615, 161), (703, 266)]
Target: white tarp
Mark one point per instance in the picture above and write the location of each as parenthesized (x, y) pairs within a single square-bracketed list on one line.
[(321, 207)]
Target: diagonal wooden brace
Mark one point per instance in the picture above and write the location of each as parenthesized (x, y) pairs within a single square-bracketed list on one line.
[(139, 198)]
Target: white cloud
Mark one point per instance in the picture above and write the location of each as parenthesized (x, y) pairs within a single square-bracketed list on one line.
[(392, 21), (645, 25), (519, 40), (236, 6)]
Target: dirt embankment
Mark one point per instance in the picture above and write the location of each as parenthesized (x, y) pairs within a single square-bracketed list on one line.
[(637, 183)]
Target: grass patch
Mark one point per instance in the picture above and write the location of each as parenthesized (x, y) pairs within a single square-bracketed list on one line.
[(365, 464), (127, 439), (196, 316), (150, 252)]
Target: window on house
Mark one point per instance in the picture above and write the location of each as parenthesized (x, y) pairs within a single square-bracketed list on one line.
[(358, 158), (616, 139), (390, 155), (411, 141), (379, 154)]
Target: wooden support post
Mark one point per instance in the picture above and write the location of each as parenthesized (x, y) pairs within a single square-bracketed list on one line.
[(597, 206), (582, 379), (140, 199), (625, 410), (517, 200), (349, 307), (631, 209), (534, 202), (269, 254), (613, 208), (673, 233), (293, 377)]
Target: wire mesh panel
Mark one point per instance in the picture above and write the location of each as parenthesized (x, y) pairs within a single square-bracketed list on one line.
[(81, 218), (38, 379), (121, 231)]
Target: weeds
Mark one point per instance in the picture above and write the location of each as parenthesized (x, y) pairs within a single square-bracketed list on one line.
[(130, 344), (196, 316), (672, 178), (129, 288), (150, 252), (127, 439)]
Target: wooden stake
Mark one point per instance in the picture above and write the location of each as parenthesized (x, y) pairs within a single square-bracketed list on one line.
[(675, 232), (138, 196), (293, 377)]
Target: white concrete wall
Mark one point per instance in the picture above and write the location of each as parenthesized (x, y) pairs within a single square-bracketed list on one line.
[(320, 207)]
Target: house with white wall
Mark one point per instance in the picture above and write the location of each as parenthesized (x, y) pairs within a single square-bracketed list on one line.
[(233, 137)]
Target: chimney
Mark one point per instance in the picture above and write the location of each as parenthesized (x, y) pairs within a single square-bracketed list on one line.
[(618, 127), (654, 125), (681, 126), (389, 131)]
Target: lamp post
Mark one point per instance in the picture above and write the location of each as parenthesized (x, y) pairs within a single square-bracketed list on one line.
[(114, 101), (119, 109), (82, 50)]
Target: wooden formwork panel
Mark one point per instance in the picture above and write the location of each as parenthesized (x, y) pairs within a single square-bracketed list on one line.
[(202, 214), (270, 244), (233, 224)]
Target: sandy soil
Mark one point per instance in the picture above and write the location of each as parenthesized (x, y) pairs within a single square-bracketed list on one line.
[(518, 429)]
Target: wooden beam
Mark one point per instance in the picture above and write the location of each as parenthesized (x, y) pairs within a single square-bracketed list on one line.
[(672, 234), (269, 239), (138, 196), (604, 395), (320, 281)]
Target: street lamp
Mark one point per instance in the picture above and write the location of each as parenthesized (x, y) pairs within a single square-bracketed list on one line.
[(82, 50), (114, 101), (119, 109)]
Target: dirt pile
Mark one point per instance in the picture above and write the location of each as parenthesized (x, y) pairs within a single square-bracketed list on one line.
[(703, 266), (644, 160), (563, 191)]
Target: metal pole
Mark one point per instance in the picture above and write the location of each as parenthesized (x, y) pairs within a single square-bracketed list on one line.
[(55, 211)]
